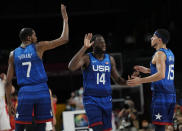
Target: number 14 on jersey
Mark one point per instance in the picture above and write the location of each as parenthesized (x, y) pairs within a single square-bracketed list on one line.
[(101, 78)]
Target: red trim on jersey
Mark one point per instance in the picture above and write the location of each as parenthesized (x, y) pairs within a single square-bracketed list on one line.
[(6, 108), (109, 129), (44, 121), (23, 122), (96, 124), (161, 123)]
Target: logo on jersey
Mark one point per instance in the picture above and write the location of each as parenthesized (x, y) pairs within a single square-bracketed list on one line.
[(158, 116), (101, 68), (107, 63), (171, 58), (17, 115)]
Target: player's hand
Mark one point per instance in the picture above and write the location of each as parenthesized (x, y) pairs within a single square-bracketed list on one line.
[(134, 82), (64, 13), (134, 75), (87, 39), (141, 69)]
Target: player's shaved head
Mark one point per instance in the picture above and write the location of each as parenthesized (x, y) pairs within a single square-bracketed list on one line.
[(24, 33), (96, 37)]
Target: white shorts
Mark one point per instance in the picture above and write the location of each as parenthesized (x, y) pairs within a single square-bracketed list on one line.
[(4, 119), (49, 126)]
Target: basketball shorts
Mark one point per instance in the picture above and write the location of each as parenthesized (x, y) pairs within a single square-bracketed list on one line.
[(162, 108), (34, 100), (98, 111)]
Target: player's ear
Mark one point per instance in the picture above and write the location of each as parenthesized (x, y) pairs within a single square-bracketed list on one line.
[(29, 38), (160, 40)]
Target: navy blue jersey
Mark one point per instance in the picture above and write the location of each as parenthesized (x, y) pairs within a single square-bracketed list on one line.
[(165, 85), (96, 77), (28, 66)]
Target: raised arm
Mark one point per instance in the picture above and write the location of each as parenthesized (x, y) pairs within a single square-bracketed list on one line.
[(159, 61), (8, 83), (114, 73), (80, 58), (47, 45)]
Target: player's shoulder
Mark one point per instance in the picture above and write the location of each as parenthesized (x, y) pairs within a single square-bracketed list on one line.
[(111, 57), (11, 53), (160, 55), (86, 58), (160, 52)]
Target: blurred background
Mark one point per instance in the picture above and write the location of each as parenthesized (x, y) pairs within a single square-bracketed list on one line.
[(125, 26)]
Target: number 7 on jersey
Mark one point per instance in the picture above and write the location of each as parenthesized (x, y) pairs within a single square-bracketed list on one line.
[(29, 67)]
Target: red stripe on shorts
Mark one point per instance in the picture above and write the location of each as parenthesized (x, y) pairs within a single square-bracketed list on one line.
[(109, 129), (96, 124), (44, 121), (161, 123), (23, 122)]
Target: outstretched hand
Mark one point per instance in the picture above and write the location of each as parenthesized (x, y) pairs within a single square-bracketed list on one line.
[(141, 69), (64, 12), (134, 79), (134, 82), (87, 39)]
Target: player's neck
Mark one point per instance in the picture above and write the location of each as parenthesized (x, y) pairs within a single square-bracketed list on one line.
[(99, 56), (25, 43), (161, 46)]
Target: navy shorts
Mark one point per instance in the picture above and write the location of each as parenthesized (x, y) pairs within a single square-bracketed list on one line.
[(98, 111), (33, 100), (162, 108)]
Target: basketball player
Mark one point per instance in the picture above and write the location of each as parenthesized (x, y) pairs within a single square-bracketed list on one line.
[(4, 117), (162, 78), (97, 68), (26, 62)]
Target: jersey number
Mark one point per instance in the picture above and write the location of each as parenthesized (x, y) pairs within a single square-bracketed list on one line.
[(171, 72), (29, 67), (101, 79)]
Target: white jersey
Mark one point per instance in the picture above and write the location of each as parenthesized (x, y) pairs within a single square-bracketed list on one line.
[(2, 94), (4, 118)]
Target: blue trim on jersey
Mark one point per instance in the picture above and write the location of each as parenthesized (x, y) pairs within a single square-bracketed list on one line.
[(29, 67), (165, 85), (96, 77)]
